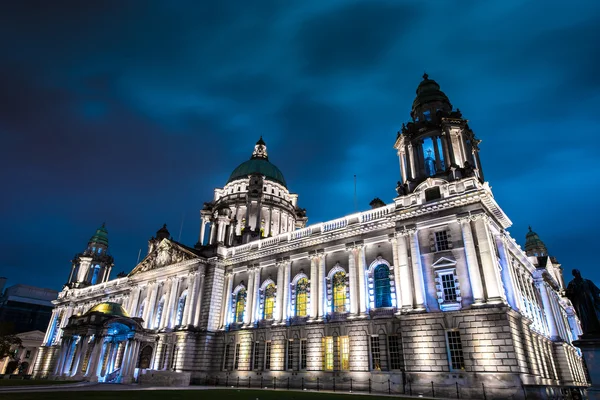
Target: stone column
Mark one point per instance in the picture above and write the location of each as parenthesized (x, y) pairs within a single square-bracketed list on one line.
[(314, 284), (321, 287), (227, 297), (417, 271), (436, 150), (81, 356), (256, 294), (472, 263), (279, 293), (213, 232), (105, 347), (133, 306), (94, 358), (249, 296), (412, 162), (124, 360), (286, 289), (362, 288), (202, 231), (191, 298), (400, 301), (62, 356), (352, 279), (198, 302), (270, 219), (52, 326), (488, 261), (151, 300), (171, 303), (552, 327)]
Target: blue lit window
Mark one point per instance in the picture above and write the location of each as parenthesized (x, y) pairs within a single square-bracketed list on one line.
[(240, 305), (427, 115), (180, 308), (95, 275), (99, 250), (383, 293), (159, 311)]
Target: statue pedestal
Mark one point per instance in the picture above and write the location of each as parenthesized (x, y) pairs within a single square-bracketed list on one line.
[(590, 347)]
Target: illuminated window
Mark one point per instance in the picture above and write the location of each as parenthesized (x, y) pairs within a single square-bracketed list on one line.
[(256, 353), (328, 345), (268, 356), (302, 354), (441, 241), (383, 291), (396, 356), (301, 297), (141, 310), (240, 305), (159, 312), (427, 115), (339, 292), (455, 351), (180, 308), (236, 360), (269, 301), (375, 353), (99, 250), (344, 353), (95, 275), (290, 354)]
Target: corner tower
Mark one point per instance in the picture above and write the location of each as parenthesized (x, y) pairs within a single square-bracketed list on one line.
[(94, 264), (254, 203), (437, 142)]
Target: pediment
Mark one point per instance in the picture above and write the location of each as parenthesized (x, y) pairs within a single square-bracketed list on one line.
[(444, 262), (166, 253)]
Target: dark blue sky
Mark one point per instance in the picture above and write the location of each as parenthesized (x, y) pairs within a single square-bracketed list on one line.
[(133, 112)]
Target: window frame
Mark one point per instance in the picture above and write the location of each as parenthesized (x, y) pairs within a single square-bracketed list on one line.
[(451, 364)]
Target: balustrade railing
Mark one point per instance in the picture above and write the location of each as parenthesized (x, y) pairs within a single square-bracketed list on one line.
[(324, 227)]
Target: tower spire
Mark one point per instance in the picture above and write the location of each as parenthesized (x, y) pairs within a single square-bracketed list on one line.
[(260, 150)]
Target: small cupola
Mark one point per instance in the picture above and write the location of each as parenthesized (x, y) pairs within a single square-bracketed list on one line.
[(429, 100), (534, 247), (163, 233)]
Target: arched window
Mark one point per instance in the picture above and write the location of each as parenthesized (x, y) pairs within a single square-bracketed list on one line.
[(339, 292), (269, 301), (95, 275), (301, 297), (240, 305), (383, 292), (159, 311), (180, 308)]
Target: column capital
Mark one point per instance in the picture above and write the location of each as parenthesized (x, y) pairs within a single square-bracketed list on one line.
[(229, 274), (283, 261)]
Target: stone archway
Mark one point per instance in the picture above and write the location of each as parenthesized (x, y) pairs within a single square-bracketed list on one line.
[(145, 357)]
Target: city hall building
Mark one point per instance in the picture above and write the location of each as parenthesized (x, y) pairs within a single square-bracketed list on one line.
[(428, 290)]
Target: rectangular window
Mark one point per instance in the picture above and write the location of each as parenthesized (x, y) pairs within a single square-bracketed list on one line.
[(28, 354), (396, 358), (427, 115), (328, 346), (345, 353), (256, 353), (441, 241), (236, 361), (455, 351), (449, 287), (302, 354), (290, 354), (375, 353), (226, 357), (268, 356)]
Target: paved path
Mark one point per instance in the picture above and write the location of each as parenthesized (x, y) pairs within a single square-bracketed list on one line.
[(88, 386)]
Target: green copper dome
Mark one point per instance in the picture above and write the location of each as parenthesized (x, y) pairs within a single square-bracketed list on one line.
[(258, 164), (101, 236), (108, 308), (534, 245)]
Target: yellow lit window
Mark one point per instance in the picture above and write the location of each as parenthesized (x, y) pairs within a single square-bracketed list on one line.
[(345, 352), (301, 297), (339, 292), (328, 345), (240, 305), (269, 301)]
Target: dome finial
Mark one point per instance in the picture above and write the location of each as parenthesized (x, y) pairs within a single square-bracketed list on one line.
[(530, 228), (425, 76)]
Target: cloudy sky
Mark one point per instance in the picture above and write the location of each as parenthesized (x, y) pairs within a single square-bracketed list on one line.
[(132, 112)]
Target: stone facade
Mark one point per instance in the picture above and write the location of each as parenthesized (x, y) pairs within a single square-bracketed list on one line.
[(427, 291)]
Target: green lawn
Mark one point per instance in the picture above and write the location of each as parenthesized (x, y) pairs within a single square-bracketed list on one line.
[(221, 394), (30, 382)]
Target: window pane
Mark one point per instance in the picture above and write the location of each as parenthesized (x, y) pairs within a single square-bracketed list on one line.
[(240, 305), (449, 287), (375, 353), (268, 356), (441, 241), (396, 357), (455, 350), (301, 297), (303, 354), (328, 344), (383, 293), (339, 292), (269, 301), (345, 353)]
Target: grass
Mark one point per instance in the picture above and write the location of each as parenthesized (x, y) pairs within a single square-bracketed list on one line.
[(31, 382), (221, 394)]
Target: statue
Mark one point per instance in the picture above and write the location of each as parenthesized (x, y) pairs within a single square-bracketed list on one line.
[(585, 297)]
